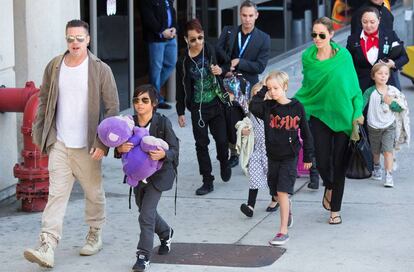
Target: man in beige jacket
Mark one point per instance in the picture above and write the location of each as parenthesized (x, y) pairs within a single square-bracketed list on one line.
[(77, 88)]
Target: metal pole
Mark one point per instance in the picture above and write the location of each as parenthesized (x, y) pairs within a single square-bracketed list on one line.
[(170, 96), (93, 13), (408, 17), (131, 47)]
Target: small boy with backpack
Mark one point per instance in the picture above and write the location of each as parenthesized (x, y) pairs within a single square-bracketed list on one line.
[(148, 192)]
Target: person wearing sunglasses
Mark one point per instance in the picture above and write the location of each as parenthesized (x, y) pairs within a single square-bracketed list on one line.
[(147, 195), (199, 89), (242, 49), (159, 31), (333, 101), (77, 88), (374, 44)]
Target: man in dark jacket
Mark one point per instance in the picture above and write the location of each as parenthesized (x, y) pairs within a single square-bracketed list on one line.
[(386, 22), (244, 49), (159, 27)]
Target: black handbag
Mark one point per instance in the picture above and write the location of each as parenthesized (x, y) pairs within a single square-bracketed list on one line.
[(360, 162)]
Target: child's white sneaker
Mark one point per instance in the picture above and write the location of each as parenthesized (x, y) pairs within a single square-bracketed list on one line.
[(279, 239), (389, 182)]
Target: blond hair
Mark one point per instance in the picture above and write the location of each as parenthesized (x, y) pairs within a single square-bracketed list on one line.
[(378, 66), (281, 77)]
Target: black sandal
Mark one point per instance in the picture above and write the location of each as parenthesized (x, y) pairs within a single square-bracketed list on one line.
[(273, 209), (335, 220), (325, 199), (246, 210)]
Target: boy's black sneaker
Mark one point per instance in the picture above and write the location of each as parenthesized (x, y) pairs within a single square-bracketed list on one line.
[(233, 161), (142, 263), (165, 246), (225, 171), (206, 188)]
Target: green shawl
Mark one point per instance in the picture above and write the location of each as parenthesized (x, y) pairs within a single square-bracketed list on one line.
[(330, 89)]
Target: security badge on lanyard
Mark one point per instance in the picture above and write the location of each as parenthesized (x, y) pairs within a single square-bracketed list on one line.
[(243, 48), (386, 48)]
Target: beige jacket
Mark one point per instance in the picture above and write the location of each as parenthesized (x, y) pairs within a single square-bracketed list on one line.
[(402, 119), (102, 102), (244, 144)]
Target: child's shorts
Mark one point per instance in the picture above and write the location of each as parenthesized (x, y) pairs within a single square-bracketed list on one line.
[(281, 175), (382, 140)]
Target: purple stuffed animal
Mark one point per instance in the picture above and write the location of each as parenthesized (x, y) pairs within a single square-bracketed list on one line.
[(137, 164)]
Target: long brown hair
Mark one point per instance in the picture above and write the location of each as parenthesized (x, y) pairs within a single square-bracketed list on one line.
[(326, 22)]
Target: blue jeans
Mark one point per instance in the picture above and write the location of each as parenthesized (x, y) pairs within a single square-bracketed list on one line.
[(163, 56)]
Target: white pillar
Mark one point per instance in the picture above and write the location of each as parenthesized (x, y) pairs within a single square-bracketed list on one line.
[(8, 135), (40, 36), (32, 32)]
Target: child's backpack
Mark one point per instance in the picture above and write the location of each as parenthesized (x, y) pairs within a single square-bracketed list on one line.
[(161, 134)]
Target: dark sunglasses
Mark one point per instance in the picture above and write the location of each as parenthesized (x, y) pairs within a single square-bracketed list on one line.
[(79, 38), (200, 38), (144, 100), (321, 35)]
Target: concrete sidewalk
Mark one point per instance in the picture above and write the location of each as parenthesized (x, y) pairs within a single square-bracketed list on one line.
[(376, 233)]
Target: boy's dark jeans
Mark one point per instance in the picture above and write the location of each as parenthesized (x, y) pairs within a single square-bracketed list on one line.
[(150, 222), (213, 118)]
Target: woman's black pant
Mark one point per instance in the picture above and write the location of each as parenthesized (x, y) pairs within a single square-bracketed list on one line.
[(213, 118), (330, 149)]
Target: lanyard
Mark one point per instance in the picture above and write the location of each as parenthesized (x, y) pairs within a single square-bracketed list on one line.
[(242, 48)]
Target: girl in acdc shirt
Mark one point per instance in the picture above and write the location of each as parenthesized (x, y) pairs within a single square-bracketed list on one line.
[(282, 117)]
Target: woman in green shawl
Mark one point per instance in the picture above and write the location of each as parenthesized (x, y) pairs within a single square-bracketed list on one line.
[(332, 99)]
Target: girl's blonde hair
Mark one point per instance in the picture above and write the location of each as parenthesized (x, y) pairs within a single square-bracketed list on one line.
[(378, 66), (281, 77)]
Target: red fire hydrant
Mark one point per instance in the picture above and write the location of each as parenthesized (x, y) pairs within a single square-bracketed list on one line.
[(33, 186)]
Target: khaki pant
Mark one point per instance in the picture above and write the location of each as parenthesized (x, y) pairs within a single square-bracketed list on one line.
[(65, 166)]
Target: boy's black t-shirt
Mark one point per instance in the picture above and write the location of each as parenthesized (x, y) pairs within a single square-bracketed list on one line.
[(282, 122)]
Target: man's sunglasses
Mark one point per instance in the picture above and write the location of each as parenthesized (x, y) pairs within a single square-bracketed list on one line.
[(200, 38), (321, 35), (72, 38), (144, 100)]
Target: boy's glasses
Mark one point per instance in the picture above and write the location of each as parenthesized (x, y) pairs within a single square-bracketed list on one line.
[(200, 38), (72, 38), (144, 100), (321, 35)]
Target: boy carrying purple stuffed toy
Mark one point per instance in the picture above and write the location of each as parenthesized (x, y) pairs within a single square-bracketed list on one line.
[(137, 164)]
